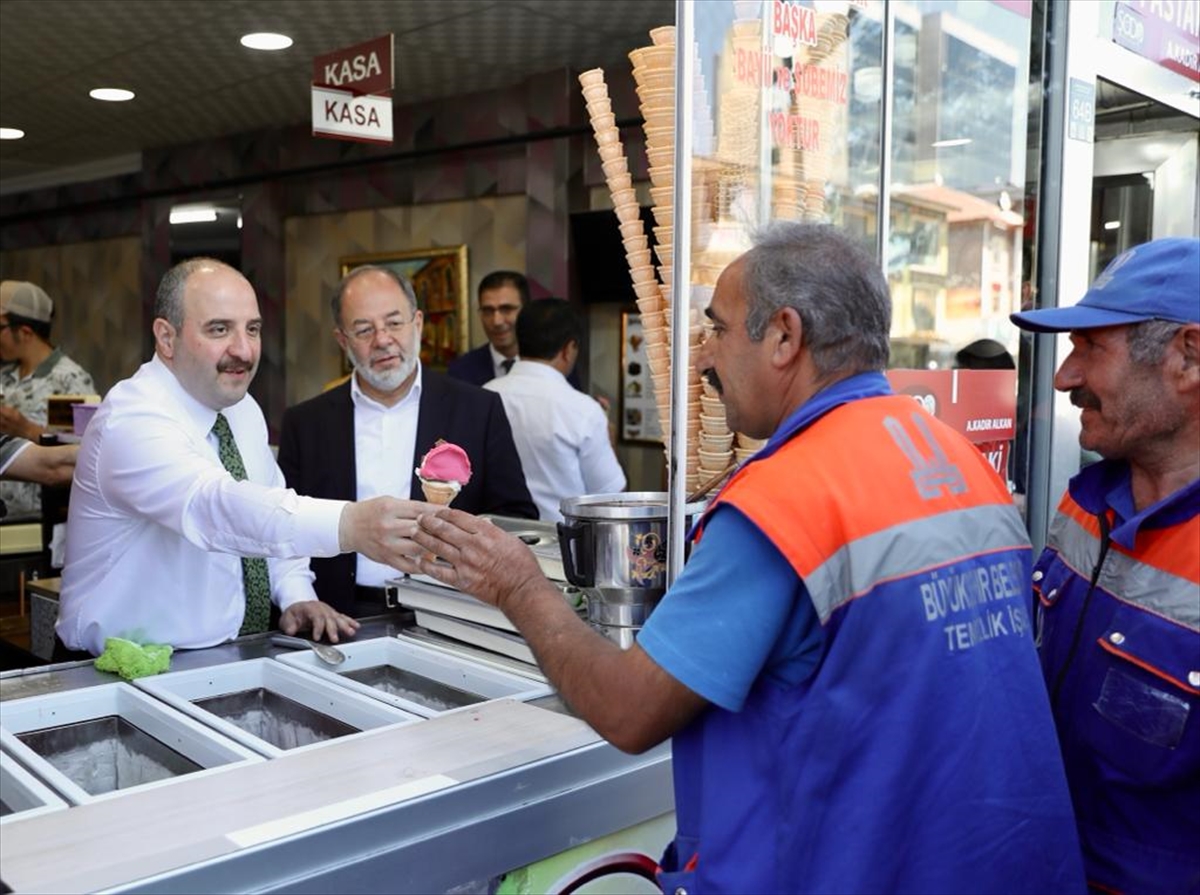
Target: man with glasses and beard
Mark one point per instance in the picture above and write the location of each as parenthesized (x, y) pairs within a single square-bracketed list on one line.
[(367, 436)]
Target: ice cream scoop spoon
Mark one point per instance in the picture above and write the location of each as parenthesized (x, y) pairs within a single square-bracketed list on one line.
[(330, 655)]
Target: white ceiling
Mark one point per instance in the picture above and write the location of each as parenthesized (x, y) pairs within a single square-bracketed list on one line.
[(194, 81)]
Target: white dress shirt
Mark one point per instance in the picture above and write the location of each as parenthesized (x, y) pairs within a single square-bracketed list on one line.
[(561, 436), (157, 527), (385, 441)]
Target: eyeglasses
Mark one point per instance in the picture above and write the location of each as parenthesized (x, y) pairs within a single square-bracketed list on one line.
[(502, 310), (392, 328)]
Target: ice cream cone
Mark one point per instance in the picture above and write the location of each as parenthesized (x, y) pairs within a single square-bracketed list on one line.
[(441, 493)]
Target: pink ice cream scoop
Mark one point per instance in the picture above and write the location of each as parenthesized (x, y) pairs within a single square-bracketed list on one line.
[(443, 472)]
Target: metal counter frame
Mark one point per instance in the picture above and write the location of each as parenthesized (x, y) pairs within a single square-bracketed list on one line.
[(458, 838)]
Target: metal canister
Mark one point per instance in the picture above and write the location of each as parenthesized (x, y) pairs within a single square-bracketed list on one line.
[(614, 547)]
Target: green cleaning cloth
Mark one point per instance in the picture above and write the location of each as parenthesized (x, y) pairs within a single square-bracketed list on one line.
[(131, 660)]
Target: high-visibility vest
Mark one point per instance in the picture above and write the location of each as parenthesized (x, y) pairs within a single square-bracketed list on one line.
[(920, 753)]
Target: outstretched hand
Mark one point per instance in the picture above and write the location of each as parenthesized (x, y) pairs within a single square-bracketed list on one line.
[(472, 555), (323, 619), (381, 528)]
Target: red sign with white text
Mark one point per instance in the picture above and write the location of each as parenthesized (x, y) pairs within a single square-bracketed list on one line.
[(363, 68), (981, 404)]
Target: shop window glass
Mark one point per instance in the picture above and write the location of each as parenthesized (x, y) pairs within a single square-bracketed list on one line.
[(787, 125), (958, 169)]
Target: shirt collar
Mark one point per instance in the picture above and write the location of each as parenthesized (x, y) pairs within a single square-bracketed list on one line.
[(853, 388), (362, 399), (1108, 485), (536, 369), (200, 415), (47, 366), (498, 358)]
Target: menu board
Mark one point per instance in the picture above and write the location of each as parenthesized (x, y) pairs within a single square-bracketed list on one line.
[(639, 413)]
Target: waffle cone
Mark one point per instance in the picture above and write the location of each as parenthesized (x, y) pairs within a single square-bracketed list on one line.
[(440, 493)]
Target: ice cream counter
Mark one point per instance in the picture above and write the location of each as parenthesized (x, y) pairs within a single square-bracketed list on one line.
[(250, 768)]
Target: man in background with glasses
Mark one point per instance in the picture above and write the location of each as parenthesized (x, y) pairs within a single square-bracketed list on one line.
[(366, 437), (502, 296)]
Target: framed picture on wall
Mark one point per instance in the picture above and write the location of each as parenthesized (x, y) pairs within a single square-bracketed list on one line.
[(439, 278), (639, 412)]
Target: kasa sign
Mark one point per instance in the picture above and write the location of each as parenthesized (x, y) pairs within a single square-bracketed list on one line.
[(351, 92)]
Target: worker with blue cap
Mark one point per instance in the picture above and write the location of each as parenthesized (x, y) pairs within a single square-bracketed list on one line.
[(1119, 581)]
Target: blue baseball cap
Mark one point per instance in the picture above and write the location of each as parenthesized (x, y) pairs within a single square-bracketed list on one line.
[(1157, 280)]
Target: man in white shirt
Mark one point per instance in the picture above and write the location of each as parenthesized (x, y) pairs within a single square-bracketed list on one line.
[(180, 526), (561, 434), (366, 436)]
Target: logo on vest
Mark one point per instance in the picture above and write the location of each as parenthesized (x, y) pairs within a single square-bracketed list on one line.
[(930, 474)]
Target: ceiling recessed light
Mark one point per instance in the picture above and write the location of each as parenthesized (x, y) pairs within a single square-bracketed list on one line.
[(1112, 225), (11, 133), (266, 40), (111, 94), (193, 214)]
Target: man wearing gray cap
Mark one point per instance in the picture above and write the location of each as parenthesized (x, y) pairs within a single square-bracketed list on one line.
[(1119, 582), (32, 371)]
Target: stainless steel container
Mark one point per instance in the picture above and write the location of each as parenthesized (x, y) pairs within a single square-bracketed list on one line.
[(614, 547)]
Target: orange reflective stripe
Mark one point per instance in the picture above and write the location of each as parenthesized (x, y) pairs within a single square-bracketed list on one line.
[(1108, 646), (1174, 549)]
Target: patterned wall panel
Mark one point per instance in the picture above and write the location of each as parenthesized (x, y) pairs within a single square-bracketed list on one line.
[(97, 301), (513, 202), (493, 230), (263, 265)]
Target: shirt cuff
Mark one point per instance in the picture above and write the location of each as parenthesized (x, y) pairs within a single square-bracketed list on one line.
[(316, 532), (291, 591), (21, 448)]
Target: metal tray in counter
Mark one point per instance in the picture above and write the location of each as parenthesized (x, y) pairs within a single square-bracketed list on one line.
[(270, 707), (100, 742), (22, 794), (423, 681)]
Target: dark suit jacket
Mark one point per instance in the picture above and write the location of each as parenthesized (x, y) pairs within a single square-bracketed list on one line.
[(476, 368), (316, 454)]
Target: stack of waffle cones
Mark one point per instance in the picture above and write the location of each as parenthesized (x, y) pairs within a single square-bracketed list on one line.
[(711, 446), (620, 185)]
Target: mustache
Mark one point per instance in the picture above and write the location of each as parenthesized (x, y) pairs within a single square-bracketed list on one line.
[(234, 366), (1084, 399), (710, 375)]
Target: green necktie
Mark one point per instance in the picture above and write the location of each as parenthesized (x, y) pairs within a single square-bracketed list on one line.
[(255, 578)]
